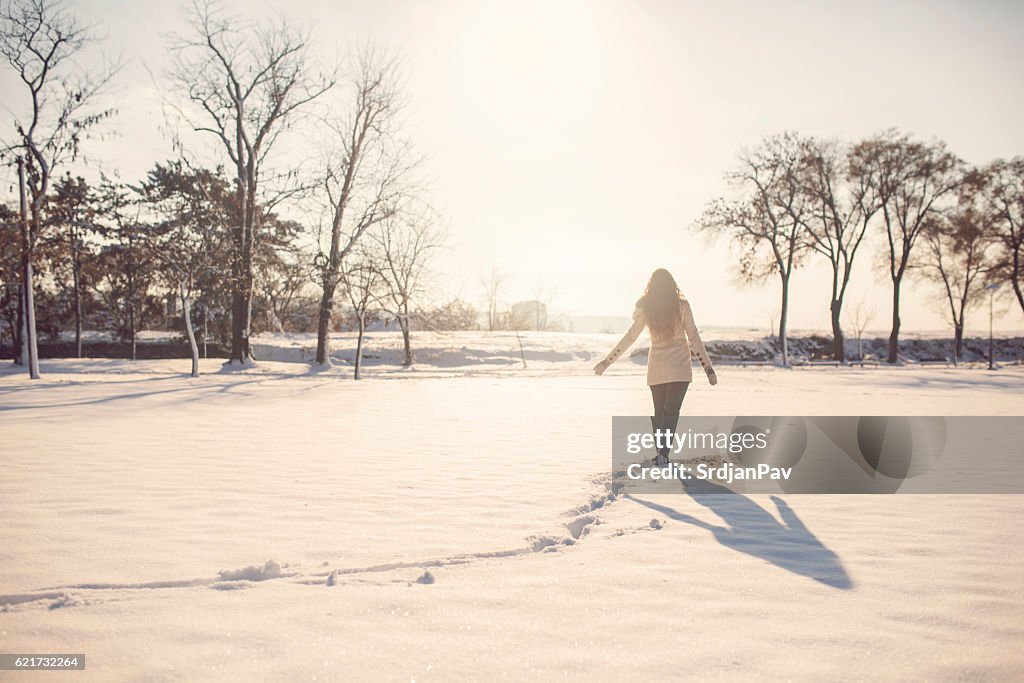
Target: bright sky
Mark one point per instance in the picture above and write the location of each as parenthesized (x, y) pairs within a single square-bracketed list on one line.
[(571, 143)]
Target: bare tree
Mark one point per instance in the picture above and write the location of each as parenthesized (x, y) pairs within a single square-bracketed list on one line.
[(910, 179), (957, 254), (42, 42), (492, 288), (1003, 194), (362, 282), (860, 318), (244, 85), (407, 242), (767, 223), (843, 199), (364, 181)]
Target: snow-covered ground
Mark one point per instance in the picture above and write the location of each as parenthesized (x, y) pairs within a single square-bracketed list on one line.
[(469, 352), (433, 524)]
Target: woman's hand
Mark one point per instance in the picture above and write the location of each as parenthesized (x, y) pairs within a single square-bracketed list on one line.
[(601, 367), (712, 377)]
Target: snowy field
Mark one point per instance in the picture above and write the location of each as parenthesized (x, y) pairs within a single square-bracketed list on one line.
[(454, 524), (468, 352)]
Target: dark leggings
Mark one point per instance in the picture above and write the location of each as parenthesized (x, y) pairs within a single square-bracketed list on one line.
[(668, 399)]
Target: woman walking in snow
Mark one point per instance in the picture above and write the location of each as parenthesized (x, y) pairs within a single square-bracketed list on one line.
[(666, 313)]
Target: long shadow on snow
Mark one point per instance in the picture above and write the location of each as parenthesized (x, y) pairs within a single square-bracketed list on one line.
[(751, 529)]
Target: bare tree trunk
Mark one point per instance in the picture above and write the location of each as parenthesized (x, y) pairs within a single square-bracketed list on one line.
[(838, 338), (77, 279), (958, 337), (206, 317), (408, 345), (241, 282), (23, 354), (239, 346), (240, 307), (241, 285), (18, 332), (894, 336), (247, 328), (31, 352), (186, 308), (131, 328), (359, 345), (323, 342), (836, 310), (403, 322), (783, 340)]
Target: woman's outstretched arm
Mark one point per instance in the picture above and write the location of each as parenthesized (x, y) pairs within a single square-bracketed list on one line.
[(696, 345), (624, 343)]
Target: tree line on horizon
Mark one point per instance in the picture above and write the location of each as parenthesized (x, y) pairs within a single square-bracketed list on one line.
[(938, 218)]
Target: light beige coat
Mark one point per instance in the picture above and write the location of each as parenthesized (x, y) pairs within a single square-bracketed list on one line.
[(669, 359)]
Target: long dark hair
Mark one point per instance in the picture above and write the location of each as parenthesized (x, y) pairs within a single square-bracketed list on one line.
[(661, 305)]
